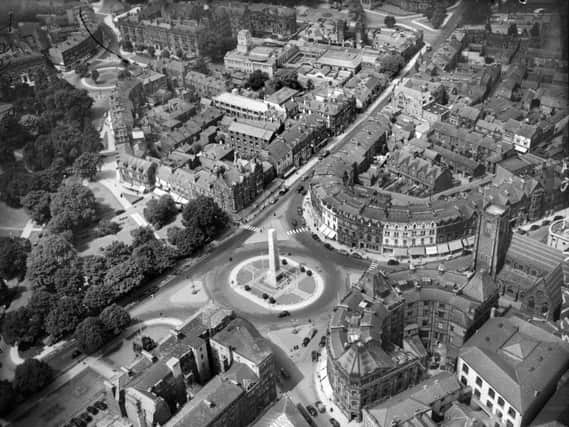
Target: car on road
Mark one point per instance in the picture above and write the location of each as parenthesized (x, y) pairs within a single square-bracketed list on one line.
[(311, 410), (558, 217), (92, 410), (300, 189), (534, 227), (284, 313), (323, 341), (283, 190), (76, 353), (334, 422), (86, 417), (546, 222), (329, 246), (392, 262), (273, 201), (305, 177), (101, 405), (315, 237), (356, 255), (77, 422), (320, 406), (313, 333), (305, 341), (294, 222), (299, 210), (521, 231)]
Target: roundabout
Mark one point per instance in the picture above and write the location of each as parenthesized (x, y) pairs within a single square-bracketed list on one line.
[(298, 286), (108, 77)]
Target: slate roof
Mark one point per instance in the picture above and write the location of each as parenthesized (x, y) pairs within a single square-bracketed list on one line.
[(283, 413), (245, 340), (517, 359), (481, 286), (556, 410)]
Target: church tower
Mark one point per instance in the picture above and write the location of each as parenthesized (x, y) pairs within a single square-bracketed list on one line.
[(243, 41), (492, 239)]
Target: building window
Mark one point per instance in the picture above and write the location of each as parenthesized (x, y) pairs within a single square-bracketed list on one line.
[(479, 381), (509, 423), (477, 393), (498, 413), (463, 380), (491, 393), (465, 368), (501, 402), (489, 404), (512, 412)]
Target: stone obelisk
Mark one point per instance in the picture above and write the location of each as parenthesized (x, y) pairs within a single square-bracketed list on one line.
[(274, 262)]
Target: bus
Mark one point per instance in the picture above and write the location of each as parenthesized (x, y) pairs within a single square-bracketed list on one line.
[(289, 173)]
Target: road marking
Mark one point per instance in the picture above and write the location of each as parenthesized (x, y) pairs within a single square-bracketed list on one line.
[(373, 266), (251, 228), (297, 230)]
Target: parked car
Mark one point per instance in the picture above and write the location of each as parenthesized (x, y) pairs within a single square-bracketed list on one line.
[(101, 405), (311, 410), (329, 246), (299, 210), (92, 410), (534, 227), (558, 217), (334, 422), (521, 231), (315, 237), (77, 422), (284, 313), (305, 341), (283, 190), (356, 255), (546, 222), (392, 262), (313, 333), (86, 417), (300, 189), (323, 341), (320, 406), (75, 354)]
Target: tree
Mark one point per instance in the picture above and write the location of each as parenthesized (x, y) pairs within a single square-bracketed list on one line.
[(204, 213), (200, 66), (22, 327), (13, 256), (288, 78), (188, 240), (142, 235), (161, 211), (180, 53), (82, 69), (7, 397), (87, 165), (439, 15), (153, 258), (41, 303), (115, 319), (389, 21), (12, 134), (309, 84), (32, 376), (124, 277), (91, 335), (257, 80), (36, 203), (151, 50), (513, 29), (94, 269), (69, 279), (99, 296), (392, 64), (165, 54), (74, 202), (64, 317), (47, 256), (116, 253), (95, 75), (106, 227)]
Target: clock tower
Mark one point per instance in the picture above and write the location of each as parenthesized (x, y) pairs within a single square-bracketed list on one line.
[(492, 239)]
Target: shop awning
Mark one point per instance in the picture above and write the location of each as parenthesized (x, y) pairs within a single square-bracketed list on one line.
[(455, 245), (431, 250), (417, 251), (442, 248), (400, 252), (327, 231)]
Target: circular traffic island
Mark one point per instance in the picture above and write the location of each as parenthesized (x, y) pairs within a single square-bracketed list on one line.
[(287, 287)]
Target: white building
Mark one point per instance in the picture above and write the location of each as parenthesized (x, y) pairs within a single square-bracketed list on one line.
[(512, 367), (558, 237)]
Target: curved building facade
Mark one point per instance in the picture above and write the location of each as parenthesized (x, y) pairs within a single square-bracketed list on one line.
[(365, 217), (385, 328), (558, 236)]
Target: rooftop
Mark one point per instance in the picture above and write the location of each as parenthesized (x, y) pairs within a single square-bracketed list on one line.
[(518, 359), (283, 413), (245, 340)]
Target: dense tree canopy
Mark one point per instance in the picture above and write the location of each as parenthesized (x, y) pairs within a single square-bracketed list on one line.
[(41, 303), (142, 235), (124, 277), (257, 79), (204, 213), (116, 253), (87, 165), (389, 21), (99, 296), (160, 212), (36, 203), (7, 397), (13, 256), (115, 319), (64, 317), (22, 327), (283, 77), (74, 206), (153, 258), (91, 335), (51, 253), (32, 376), (187, 240), (391, 64)]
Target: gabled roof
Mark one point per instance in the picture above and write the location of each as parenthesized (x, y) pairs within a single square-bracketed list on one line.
[(283, 413), (481, 287)]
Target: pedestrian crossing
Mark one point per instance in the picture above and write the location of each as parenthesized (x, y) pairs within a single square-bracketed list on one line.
[(297, 230), (373, 266), (251, 228)]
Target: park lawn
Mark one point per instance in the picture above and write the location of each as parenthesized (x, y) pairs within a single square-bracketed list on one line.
[(11, 218)]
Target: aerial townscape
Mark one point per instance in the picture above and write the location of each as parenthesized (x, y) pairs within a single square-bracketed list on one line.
[(284, 213)]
